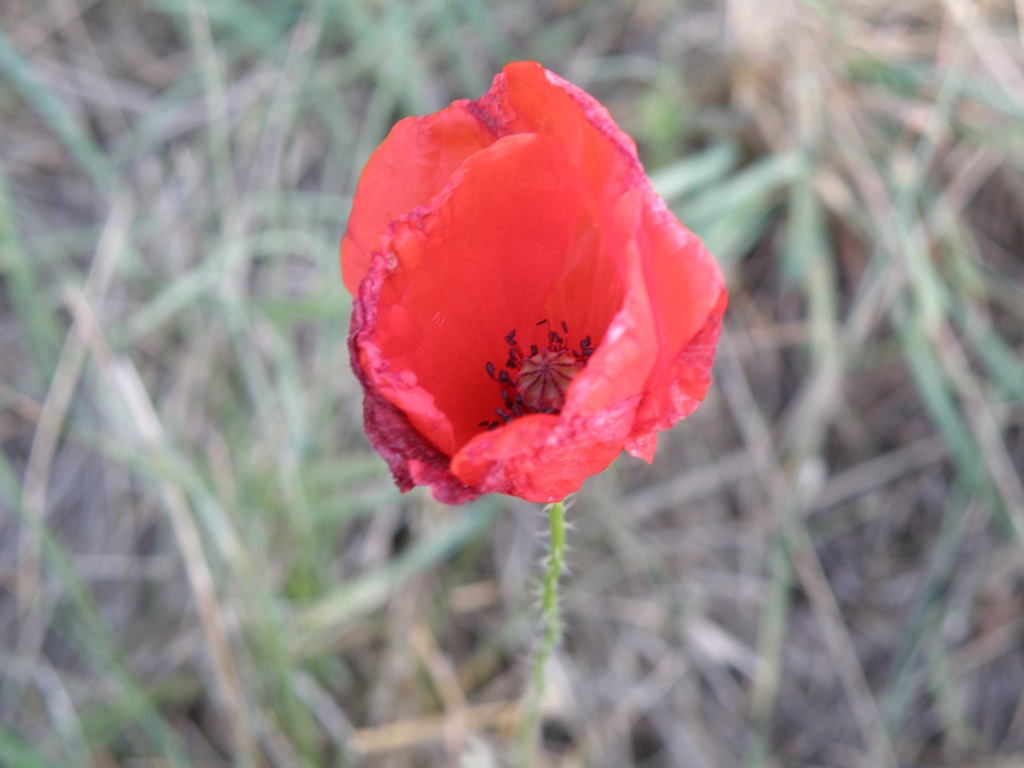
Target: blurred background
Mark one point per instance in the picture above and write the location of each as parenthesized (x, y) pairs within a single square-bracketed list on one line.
[(203, 563)]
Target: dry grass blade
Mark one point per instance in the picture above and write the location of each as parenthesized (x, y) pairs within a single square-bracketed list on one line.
[(49, 426), (123, 379)]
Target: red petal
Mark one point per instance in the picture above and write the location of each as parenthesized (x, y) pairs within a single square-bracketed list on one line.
[(543, 458), (412, 165), (526, 98), (628, 351), (487, 257), (412, 460), (643, 447), (688, 298)]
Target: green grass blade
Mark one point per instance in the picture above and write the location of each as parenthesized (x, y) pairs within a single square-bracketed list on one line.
[(15, 752), (61, 121), (372, 589), (36, 317)]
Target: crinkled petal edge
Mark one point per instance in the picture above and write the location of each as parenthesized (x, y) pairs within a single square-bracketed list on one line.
[(412, 459)]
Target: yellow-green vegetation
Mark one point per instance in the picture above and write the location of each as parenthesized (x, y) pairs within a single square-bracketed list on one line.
[(204, 564)]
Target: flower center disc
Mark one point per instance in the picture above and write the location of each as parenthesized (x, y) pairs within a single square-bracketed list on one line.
[(543, 379), (540, 379)]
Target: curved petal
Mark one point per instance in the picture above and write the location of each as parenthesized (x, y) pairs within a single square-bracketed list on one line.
[(484, 258), (688, 298), (627, 352), (681, 388), (410, 167), (527, 98), (543, 457), (412, 459)]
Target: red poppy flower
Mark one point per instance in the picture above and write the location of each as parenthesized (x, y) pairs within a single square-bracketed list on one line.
[(526, 307)]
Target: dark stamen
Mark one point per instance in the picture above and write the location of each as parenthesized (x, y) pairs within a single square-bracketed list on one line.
[(536, 382)]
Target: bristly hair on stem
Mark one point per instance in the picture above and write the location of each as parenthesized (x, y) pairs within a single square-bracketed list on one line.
[(551, 617)]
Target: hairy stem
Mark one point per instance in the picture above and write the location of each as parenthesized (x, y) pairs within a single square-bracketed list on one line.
[(552, 624)]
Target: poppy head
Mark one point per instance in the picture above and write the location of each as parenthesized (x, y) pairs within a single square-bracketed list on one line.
[(526, 307)]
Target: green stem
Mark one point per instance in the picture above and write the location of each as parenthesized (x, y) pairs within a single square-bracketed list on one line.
[(552, 618)]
